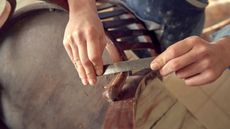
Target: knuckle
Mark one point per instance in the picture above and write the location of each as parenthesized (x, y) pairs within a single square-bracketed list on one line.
[(78, 63), (203, 49), (66, 40), (81, 73), (175, 65), (172, 51), (94, 58), (86, 63), (65, 43), (207, 63), (91, 32), (79, 35), (90, 74), (211, 75), (194, 39)]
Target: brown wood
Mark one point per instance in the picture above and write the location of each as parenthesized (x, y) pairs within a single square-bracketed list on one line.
[(41, 88), (214, 28)]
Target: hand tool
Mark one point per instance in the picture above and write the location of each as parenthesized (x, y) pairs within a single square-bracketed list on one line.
[(129, 65)]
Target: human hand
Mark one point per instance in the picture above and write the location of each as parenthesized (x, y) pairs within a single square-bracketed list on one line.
[(84, 41), (193, 59)]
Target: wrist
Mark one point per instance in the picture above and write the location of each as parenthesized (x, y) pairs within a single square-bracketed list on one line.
[(224, 44), (76, 6)]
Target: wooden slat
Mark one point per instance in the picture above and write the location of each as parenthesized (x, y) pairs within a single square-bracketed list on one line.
[(110, 14), (136, 46), (119, 23), (104, 6), (125, 33)]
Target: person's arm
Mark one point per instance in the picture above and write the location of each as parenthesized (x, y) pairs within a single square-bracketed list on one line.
[(225, 46), (195, 60), (84, 39)]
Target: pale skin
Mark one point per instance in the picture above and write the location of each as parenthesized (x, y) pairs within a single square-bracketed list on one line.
[(193, 59), (84, 40)]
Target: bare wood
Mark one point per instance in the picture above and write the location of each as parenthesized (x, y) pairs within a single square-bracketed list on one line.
[(216, 27)]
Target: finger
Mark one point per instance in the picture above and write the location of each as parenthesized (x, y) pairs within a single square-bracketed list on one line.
[(172, 52), (81, 72), (77, 62), (87, 65), (200, 79), (192, 69), (74, 48), (95, 52), (180, 62), (67, 47)]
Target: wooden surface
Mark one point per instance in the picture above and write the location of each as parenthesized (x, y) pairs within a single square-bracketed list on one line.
[(45, 93), (209, 103), (157, 108), (50, 100)]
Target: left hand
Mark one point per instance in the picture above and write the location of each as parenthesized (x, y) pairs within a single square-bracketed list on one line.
[(193, 59)]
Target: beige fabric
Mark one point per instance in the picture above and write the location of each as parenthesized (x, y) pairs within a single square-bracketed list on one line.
[(156, 108), (210, 104)]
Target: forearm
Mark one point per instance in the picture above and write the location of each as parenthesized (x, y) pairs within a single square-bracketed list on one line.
[(78, 5), (224, 43), (75, 5)]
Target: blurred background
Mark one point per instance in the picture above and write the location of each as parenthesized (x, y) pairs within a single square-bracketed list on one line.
[(217, 10)]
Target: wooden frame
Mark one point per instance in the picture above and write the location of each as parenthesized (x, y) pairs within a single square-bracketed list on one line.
[(121, 36)]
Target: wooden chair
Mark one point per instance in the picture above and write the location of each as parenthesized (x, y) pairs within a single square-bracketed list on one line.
[(40, 87)]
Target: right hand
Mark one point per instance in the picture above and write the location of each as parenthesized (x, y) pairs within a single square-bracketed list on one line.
[(84, 41), (194, 60)]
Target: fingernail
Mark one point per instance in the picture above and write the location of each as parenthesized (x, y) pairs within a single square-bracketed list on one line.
[(84, 82), (99, 71), (92, 82), (155, 66)]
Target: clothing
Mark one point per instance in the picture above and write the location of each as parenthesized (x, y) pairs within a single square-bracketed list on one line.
[(221, 33), (177, 19)]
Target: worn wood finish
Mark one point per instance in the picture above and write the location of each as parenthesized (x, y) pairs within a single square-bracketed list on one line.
[(157, 108), (39, 86), (124, 29), (152, 107)]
